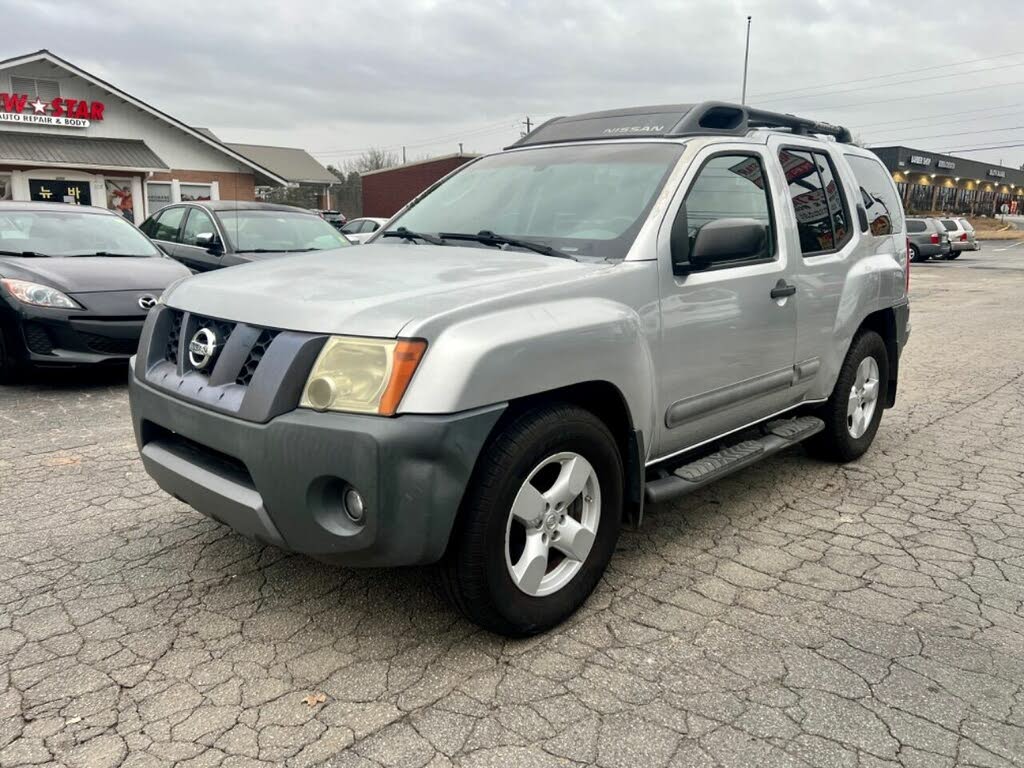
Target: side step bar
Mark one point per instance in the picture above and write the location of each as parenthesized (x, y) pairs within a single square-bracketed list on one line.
[(779, 435)]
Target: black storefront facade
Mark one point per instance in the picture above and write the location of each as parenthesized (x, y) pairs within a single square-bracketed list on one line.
[(930, 181)]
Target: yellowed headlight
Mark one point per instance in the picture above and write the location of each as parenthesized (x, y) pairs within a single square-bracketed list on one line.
[(350, 374)]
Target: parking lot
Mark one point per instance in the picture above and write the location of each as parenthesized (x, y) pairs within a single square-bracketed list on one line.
[(796, 614)]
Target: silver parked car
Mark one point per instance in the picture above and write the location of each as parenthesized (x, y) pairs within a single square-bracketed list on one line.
[(620, 308), (973, 244), (958, 241), (360, 230), (927, 239)]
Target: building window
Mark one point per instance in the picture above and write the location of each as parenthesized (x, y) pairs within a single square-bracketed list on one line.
[(119, 197), (46, 90), (6, 193), (158, 194), (192, 192)]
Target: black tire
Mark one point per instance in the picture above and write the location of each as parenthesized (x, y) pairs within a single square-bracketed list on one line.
[(953, 255), (474, 573), (835, 442), (915, 254), (10, 368)]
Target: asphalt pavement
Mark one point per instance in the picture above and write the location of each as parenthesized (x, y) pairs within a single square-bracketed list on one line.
[(797, 614)]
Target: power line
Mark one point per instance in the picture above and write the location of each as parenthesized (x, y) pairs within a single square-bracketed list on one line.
[(944, 135), (982, 149), (941, 114), (422, 142), (889, 85), (891, 74), (924, 95)]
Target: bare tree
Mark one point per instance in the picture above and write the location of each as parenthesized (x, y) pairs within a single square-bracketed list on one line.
[(373, 159)]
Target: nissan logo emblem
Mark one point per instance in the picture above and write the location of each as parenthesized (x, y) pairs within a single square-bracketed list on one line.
[(147, 302), (202, 348)]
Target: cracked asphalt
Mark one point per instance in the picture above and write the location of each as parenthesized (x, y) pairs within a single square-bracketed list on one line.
[(796, 614)]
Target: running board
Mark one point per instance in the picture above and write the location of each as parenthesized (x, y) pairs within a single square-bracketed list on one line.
[(779, 435)]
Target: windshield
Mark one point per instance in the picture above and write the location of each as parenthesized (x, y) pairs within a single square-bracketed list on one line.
[(255, 230), (588, 201), (69, 233)]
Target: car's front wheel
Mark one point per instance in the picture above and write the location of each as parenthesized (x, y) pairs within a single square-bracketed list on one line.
[(10, 368), (539, 521)]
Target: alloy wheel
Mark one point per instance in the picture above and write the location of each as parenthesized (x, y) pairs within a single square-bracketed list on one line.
[(863, 400)]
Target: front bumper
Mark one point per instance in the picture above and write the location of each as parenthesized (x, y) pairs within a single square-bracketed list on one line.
[(44, 336), (282, 482)]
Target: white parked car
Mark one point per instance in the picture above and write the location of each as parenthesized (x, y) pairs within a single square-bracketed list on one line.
[(359, 230)]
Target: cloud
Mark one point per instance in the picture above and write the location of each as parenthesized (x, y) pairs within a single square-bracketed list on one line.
[(335, 77)]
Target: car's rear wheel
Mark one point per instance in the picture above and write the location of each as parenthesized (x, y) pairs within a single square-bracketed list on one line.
[(854, 410), (953, 255), (539, 521), (915, 254)]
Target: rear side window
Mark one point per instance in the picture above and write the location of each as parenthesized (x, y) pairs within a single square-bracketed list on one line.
[(948, 223), (821, 216), (966, 225), (878, 195), (915, 225)]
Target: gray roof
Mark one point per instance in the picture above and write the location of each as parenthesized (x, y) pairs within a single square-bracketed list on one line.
[(78, 150), (294, 165)]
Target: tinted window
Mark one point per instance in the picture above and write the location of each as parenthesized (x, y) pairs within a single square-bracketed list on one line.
[(371, 226), (168, 222), (807, 193), (729, 187), (948, 223), (915, 225), (198, 223), (352, 228), (836, 202), (878, 195), (966, 225)]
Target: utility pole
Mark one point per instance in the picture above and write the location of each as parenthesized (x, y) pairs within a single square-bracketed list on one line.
[(403, 155), (460, 147), (746, 58), (528, 124)]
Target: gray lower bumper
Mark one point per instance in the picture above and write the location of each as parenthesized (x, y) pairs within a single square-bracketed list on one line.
[(282, 482)]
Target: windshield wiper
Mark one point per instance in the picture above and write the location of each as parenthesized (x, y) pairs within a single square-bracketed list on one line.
[(26, 254), (276, 250), (408, 234), (105, 253), (487, 237)]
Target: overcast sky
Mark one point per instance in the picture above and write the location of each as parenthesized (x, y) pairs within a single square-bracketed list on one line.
[(337, 77)]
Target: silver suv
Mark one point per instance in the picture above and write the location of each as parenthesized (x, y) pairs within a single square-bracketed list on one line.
[(620, 308)]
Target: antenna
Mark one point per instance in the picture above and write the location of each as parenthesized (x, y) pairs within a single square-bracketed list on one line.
[(746, 58)]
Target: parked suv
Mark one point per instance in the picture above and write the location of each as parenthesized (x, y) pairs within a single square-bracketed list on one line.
[(622, 307), (957, 234), (926, 239), (973, 244)]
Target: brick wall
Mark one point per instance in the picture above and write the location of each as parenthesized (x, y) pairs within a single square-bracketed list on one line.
[(233, 186), (385, 192)]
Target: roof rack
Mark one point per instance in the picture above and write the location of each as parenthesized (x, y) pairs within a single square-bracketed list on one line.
[(715, 118)]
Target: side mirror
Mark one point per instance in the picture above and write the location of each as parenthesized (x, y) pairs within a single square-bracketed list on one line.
[(209, 241), (726, 240)]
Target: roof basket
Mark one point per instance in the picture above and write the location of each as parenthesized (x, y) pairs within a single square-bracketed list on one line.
[(716, 118)]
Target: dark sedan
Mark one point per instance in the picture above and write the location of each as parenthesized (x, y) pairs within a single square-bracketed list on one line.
[(222, 233), (76, 284)]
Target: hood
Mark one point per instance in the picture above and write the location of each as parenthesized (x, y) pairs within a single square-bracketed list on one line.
[(92, 274), (371, 290)]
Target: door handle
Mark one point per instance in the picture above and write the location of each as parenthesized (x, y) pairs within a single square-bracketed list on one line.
[(782, 289)]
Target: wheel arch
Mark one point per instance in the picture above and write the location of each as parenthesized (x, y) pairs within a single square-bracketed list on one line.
[(883, 322)]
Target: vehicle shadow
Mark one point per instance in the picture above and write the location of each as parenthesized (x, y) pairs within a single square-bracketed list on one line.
[(83, 377)]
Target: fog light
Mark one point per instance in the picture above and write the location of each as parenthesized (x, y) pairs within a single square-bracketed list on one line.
[(355, 507)]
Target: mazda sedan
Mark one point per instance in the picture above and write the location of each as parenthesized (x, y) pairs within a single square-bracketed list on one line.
[(76, 284)]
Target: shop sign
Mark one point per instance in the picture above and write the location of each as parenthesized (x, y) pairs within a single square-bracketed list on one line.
[(920, 160), (997, 173), (949, 165), (66, 113)]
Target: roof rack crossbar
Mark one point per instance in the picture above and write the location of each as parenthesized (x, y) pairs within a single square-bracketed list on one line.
[(759, 118)]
